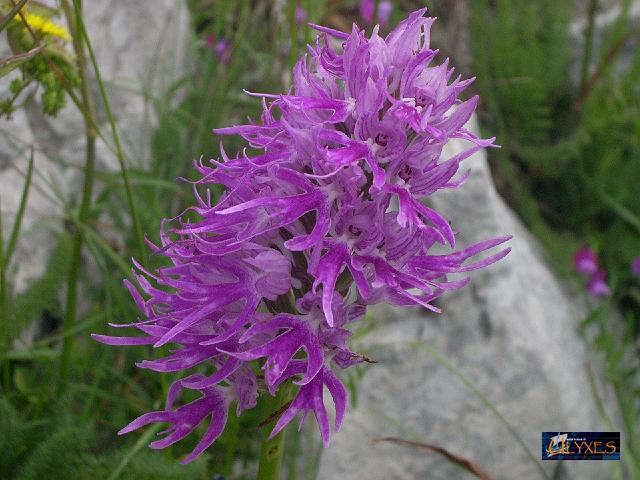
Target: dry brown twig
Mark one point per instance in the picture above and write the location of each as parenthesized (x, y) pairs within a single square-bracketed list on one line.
[(463, 462)]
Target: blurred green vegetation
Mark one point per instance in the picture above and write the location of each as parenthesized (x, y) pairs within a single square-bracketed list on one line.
[(570, 166), (570, 162)]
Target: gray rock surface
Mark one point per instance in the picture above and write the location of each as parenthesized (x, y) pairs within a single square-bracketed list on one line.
[(140, 47), (511, 332)]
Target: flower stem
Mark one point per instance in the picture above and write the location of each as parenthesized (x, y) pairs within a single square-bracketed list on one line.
[(5, 322), (588, 44), (85, 205), (271, 450)]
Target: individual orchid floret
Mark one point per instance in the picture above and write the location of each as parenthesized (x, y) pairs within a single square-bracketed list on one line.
[(585, 261), (597, 285), (635, 266), (324, 215), (213, 402), (221, 47), (310, 399), (296, 334)]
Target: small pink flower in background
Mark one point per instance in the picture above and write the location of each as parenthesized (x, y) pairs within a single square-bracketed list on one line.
[(384, 11), (222, 47), (301, 15), (597, 285), (585, 261), (635, 266), (223, 51), (211, 39)]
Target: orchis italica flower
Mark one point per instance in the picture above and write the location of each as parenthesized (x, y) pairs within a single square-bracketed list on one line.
[(585, 261), (635, 266), (326, 219)]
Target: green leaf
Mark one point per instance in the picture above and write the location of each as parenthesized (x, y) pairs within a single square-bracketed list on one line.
[(15, 232), (37, 354), (142, 441), (622, 211), (42, 295)]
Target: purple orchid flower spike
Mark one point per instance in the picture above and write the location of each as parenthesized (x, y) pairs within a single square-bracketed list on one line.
[(326, 217)]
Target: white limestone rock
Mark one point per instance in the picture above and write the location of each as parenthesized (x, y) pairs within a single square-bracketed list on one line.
[(140, 47)]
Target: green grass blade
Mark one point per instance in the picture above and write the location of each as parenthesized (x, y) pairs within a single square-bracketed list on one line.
[(9, 16), (142, 441), (5, 322), (143, 396), (15, 232), (96, 392), (622, 211), (141, 180), (90, 321), (616, 471), (94, 238), (34, 354)]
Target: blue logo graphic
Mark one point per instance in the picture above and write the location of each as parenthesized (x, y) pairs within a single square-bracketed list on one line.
[(580, 445)]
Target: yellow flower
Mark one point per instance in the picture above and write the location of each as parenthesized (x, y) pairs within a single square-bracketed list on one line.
[(45, 26)]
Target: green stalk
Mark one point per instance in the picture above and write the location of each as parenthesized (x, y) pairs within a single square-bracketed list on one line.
[(4, 297), (85, 205), (588, 44), (293, 454), (139, 445), (616, 472), (114, 131), (15, 231), (4, 314), (271, 450), (232, 432), (5, 259), (14, 11)]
